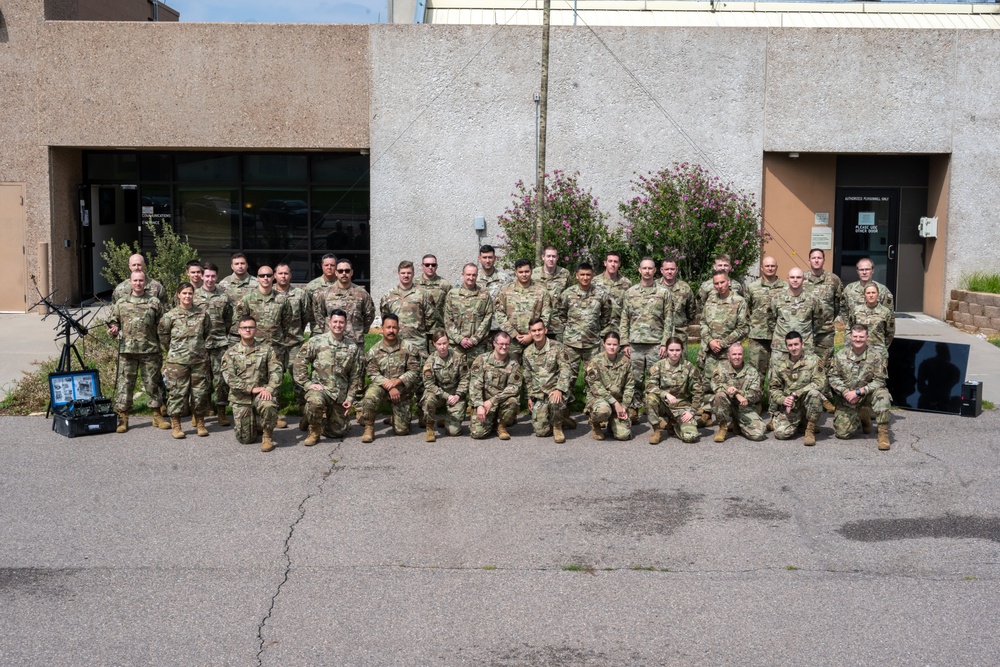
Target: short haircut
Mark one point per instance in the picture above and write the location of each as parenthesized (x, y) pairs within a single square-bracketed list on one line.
[(210, 266), (535, 320), (859, 327), (132, 273), (675, 339), (647, 257), (486, 249), (183, 286), (327, 256), (428, 256), (281, 264), (667, 260), (584, 266), (819, 250), (865, 259), (405, 264), (344, 260), (792, 335), (550, 247), (472, 264), (238, 255), (248, 318), (500, 334), (337, 312), (194, 262), (391, 316), (613, 253), (723, 257), (522, 262), (720, 272)]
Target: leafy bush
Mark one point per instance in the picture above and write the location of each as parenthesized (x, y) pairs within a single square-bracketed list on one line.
[(168, 262), (980, 281)]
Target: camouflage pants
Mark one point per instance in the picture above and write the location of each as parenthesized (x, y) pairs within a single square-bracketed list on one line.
[(808, 407), (602, 412), (505, 411), (658, 411), (218, 383), (707, 363), (288, 358), (823, 346), (759, 355), (184, 381), (402, 412), (453, 415), (249, 419), (322, 408), (544, 413), (580, 357), (129, 372), (847, 420), (728, 409), (643, 357)]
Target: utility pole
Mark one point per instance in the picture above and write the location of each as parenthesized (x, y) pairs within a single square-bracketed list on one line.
[(543, 112)]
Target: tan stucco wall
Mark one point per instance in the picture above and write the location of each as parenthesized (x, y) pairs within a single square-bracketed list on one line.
[(935, 292)]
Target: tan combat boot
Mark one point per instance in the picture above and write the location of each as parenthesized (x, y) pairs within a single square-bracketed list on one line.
[(159, 421), (828, 406), (657, 434), (176, 431), (369, 423), (883, 437), (598, 432), (122, 422), (431, 435), (810, 437), (199, 424), (557, 433), (865, 414), (723, 429), (223, 417), (633, 416), (569, 423), (315, 431), (704, 419), (502, 432), (267, 444), (281, 423)]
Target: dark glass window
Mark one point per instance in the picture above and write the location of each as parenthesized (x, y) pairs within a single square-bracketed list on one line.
[(210, 218), (274, 168), (111, 166), (276, 219), (201, 167), (347, 169), (155, 166)]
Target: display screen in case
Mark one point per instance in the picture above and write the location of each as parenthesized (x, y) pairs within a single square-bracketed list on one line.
[(65, 388)]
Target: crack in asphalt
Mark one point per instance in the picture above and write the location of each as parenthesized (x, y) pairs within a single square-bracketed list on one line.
[(916, 441), (325, 475)]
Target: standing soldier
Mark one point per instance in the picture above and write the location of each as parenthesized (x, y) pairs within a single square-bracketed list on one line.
[(219, 307), (585, 314), (271, 312), (435, 287), (186, 369), (737, 389), (759, 294), (315, 293), (685, 305), (195, 275), (395, 374), (794, 309), (414, 309), (854, 293), (646, 324), (828, 290), (353, 300), (299, 309), (722, 263), (239, 282), (253, 372), (610, 388), (795, 389), (857, 379), (614, 283), (134, 320), (547, 367), (554, 279), (491, 278), (153, 287), (494, 387), (468, 312), (673, 393), (724, 321), (329, 369), (881, 321), (518, 304), (446, 382)]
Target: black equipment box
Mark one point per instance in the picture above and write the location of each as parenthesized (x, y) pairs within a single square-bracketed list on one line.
[(77, 405), (72, 426), (972, 399)]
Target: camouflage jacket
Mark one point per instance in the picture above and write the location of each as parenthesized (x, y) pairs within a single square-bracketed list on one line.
[(747, 380), (881, 323), (851, 371), (335, 364), (707, 289), (758, 297), (685, 305), (493, 380), (584, 315), (610, 381), (647, 315), (247, 366), (384, 362), (415, 311), (447, 376), (682, 381), (359, 307), (547, 369), (468, 314), (298, 313), (153, 288), (726, 319), (493, 284), (787, 376), (515, 306), (829, 291), (854, 296), (237, 289), (794, 313), (183, 334), (273, 315), (554, 284), (436, 289), (315, 297), (137, 318), (219, 308), (616, 292)]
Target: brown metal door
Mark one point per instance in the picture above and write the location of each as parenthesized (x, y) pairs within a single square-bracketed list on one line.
[(13, 269)]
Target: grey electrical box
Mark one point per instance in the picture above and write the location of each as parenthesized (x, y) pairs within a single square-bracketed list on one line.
[(479, 222)]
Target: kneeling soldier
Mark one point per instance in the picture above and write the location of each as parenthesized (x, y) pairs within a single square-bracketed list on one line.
[(610, 388), (253, 373), (494, 390), (547, 377), (737, 388), (672, 391), (795, 389), (395, 373), (858, 379), (446, 382)]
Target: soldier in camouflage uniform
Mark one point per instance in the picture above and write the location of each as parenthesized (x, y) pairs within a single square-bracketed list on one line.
[(736, 389), (491, 278), (673, 393), (685, 304), (329, 369), (353, 300), (219, 307), (854, 293), (547, 378), (299, 310), (195, 275), (395, 374), (759, 306), (881, 321), (828, 290), (610, 388), (614, 283), (796, 391), (271, 311), (555, 279), (237, 285), (446, 383), (468, 312), (315, 293), (724, 321), (435, 287), (519, 303), (186, 369), (414, 309), (253, 371), (645, 326), (494, 386), (133, 320), (153, 287), (857, 379), (794, 309), (707, 288)]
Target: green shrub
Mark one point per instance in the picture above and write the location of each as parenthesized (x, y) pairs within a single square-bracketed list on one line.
[(167, 263), (980, 281)]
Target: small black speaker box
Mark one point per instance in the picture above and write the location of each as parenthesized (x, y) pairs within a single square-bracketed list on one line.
[(972, 399)]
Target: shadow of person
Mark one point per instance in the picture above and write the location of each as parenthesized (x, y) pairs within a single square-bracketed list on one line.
[(936, 377)]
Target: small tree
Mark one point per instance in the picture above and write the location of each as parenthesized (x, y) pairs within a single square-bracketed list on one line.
[(685, 214), (168, 262), (574, 225)]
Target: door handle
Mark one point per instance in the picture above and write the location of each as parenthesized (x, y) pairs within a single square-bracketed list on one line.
[(891, 252)]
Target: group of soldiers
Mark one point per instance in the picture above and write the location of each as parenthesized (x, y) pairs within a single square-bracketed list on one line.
[(481, 348)]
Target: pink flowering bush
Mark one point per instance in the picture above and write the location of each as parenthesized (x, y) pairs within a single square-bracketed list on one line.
[(686, 214), (574, 224)]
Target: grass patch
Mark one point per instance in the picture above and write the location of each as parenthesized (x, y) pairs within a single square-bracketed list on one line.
[(579, 567), (989, 405), (791, 568), (489, 568), (994, 341), (644, 568), (980, 281)]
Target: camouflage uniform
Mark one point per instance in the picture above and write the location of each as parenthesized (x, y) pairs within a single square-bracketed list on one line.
[(154, 288), (315, 298), (360, 309), (186, 369), (707, 289), (761, 325), (468, 314), (496, 381), (854, 296), (554, 284), (437, 289), (685, 308), (137, 318), (585, 316), (801, 313), (443, 378), (273, 315), (866, 371), (806, 379), (646, 324), (245, 367), (828, 290), (683, 382), (610, 382), (492, 284), (546, 370), (337, 365), (616, 291), (881, 323), (219, 308), (748, 384), (237, 289), (415, 311), (727, 320), (299, 308), (515, 306), (396, 362)]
